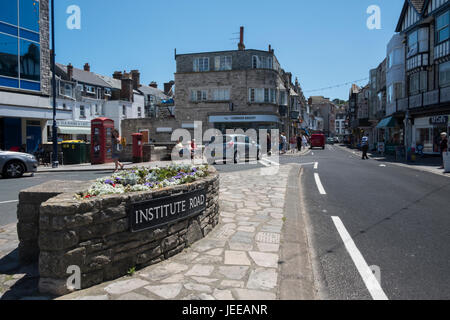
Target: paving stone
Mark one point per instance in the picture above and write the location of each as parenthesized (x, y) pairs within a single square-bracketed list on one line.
[(200, 270), (208, 260), (234, 273), (252, 295), (95, 298), (174, 279), (271, 228), (215, 252), (264, 259), (164, 271), (125, 286), (167, 291), (268, 247), (262, 279), (236, 258), (240, 218), (243, 237), (223, 294), (204, 280), (246, 229), (277, 215), (197, 287), (268, 237), (133, 296), (232, 284), (227, 220)]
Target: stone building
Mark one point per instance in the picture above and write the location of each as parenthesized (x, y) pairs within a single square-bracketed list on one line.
[(241, 88), (327, 111)]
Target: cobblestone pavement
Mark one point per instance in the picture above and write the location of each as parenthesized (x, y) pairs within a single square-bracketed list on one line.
[(238, 260)]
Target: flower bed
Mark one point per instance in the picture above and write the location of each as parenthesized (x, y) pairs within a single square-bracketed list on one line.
[(144, 179)]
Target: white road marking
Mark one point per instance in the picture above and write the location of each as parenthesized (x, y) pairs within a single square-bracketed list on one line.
[(272, 162), (382, 165), (316, 165), (10, 201), (312, 153), (319, 184), (366, 273), (264, 163)]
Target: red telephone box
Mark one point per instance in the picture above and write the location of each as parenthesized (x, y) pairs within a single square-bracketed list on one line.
[(101, 140), (138, 148)]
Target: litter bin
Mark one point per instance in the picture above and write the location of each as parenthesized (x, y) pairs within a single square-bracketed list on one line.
[(74, 152)]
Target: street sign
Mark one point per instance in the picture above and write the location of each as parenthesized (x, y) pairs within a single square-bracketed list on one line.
[(160, 212)]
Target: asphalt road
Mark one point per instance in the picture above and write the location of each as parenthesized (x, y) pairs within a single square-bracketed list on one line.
[(398, 220)]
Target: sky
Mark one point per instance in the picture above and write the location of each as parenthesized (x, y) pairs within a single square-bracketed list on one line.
[(321, 42)]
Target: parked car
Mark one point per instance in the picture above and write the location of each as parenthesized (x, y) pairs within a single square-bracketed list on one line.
[(318, 141), (235, 147), (330, 140), (337, 140), (15, 164)]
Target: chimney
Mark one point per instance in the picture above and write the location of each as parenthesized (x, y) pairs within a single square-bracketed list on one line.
[(168, 87), (70, 71), (241, 45), (117, 75), (126, 92), (153, 84), (270, 48), (87, 67), (136, 76)]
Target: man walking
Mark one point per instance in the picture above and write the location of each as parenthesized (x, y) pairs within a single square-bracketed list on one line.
[(365, 147), (443, 146), (299, 142)]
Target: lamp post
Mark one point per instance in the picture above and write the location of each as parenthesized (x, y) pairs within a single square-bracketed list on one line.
[(54, 127)]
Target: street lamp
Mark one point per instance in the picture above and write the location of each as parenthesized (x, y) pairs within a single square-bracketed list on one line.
[(54, 127)]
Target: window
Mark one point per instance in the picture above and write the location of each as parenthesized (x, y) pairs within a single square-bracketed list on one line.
[(82, 112), (198, 95), (139, 112), (390, 94), (442, 27), (223, 63), (395, 57), (201, 64), (107, 92), (20, 44), (90, 89), (444, 74), (283, 98), (261, 62), (260, 95), (221, 94), (66, 89), (124, 110), (417, 42), (418, 82)]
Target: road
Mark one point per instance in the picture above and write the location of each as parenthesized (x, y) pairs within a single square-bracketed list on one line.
[(363, 216), (396, 219)]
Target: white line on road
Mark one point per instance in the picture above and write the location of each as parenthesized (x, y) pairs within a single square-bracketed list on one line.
[(272, 162), (366, 273), (264, 162), (316, 165), (319, 184), (10, 201)]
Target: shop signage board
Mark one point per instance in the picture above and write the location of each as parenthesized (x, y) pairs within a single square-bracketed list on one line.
[(437, 120), (160, 212)]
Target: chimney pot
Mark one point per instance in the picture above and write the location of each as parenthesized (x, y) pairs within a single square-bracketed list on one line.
[(241, 45), (70, 71), (87, 67)]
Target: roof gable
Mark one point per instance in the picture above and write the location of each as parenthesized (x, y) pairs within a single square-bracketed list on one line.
[(412, 11)]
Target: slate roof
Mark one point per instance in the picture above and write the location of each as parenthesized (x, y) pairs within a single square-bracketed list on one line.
[(85, 76), (153, 91)]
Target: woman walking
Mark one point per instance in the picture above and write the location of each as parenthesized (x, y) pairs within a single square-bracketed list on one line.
[(116, 149), (443, 147)]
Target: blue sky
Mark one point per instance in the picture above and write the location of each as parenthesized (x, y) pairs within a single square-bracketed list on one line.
[(322, 42)]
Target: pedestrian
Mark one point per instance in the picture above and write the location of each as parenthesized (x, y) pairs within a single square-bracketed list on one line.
[(365, 146), (299, 143), (269, 145), (305, 141), (179, 148), (116, 150), (293, 143), (283, 143), (443, 147), (193, 149)]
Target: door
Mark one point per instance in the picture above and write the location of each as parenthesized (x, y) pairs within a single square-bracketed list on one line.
[(34, 138)]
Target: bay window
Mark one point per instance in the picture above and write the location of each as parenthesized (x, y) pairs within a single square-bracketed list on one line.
[(442, 27), (417, 42), (444, 74)]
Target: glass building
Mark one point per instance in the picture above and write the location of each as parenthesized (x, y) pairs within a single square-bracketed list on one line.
[(20, 47)]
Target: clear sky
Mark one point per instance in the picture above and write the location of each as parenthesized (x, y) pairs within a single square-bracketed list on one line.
[(322, 42)]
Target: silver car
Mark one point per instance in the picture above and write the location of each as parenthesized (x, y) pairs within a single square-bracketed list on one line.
[(15, 164), (232, 147)]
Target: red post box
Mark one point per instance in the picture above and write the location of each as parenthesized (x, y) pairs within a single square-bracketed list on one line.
[(138, 148), (101, 140)]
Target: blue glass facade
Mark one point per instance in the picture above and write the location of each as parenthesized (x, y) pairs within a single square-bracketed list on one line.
[(20, 50)]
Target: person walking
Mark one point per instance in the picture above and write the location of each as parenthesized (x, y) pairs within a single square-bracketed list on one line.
[(193, 149), (116, 150), (299, 143), (269, 145), (365, 147), (305, 141), (283, 143), (292, 143), (443, 147)]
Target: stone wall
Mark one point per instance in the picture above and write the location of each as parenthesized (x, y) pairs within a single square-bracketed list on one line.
[(95, 235), (30, 201)]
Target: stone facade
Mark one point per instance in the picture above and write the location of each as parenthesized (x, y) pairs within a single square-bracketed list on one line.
[(95, 234), (45, 49)]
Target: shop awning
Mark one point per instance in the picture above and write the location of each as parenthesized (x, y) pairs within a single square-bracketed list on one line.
[(387, 123), (74, 130)]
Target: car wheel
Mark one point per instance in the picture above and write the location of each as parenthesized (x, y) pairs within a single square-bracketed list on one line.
[(14, 169), (237, 157)]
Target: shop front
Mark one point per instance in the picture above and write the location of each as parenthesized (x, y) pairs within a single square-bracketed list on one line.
[(71, 130), (390, 134), (245, 122), (427, 133)]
